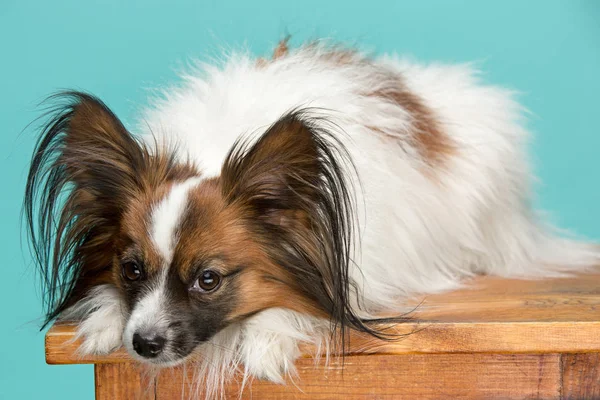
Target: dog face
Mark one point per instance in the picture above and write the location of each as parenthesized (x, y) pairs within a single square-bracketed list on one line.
[(189, 254), (189, 264)]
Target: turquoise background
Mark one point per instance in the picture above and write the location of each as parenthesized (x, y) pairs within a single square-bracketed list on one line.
[(549, 50)]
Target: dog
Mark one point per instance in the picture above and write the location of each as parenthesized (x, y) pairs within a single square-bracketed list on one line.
[(262, 204)]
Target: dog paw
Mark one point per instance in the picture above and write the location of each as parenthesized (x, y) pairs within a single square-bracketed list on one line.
[(101, 321), (101, 340)]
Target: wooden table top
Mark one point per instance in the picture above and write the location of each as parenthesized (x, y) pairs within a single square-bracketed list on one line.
[(490, 315)]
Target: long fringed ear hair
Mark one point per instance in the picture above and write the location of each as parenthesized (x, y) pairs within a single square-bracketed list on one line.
[(85, 169), (296, 184)]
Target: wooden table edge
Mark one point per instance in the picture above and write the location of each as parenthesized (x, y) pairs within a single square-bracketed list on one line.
[(535, 337)]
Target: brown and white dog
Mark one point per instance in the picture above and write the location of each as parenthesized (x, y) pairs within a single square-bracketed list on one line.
[(262, 204)]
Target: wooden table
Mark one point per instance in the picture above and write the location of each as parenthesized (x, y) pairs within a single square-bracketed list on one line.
[(499, 338)]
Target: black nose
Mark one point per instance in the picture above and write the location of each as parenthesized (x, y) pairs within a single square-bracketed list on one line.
[(148, 346)]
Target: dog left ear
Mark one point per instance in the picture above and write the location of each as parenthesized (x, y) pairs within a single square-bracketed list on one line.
[(280, 175), (296, 186)]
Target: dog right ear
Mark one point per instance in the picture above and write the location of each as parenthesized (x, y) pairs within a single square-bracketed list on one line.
[(96, 151), (82, 174)]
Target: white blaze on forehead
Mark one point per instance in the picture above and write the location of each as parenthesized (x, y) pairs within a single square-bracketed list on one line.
[(167, 215), (149, 314)]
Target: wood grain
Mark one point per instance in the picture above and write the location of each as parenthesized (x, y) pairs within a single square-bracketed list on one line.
[(62, 347), (122, 381), (457, 376), (439, 376), (505, 339), (492, 315), (580, 376)]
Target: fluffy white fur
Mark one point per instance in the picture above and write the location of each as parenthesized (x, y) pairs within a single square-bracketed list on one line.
[(422, 229), (263, 347), (102, 319)]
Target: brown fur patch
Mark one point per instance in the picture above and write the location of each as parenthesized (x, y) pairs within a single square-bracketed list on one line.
[(431, 141), (135, 229), (280, 51), (261, 289), (215, 230)]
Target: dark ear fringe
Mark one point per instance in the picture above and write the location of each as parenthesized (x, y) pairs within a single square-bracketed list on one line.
[(85, 169), (318, 254), (70, 214)]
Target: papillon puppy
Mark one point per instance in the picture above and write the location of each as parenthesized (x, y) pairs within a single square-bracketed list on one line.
[(262, 204)]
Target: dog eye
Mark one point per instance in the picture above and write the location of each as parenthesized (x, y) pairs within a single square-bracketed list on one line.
[(132, 271), (208, 281)]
